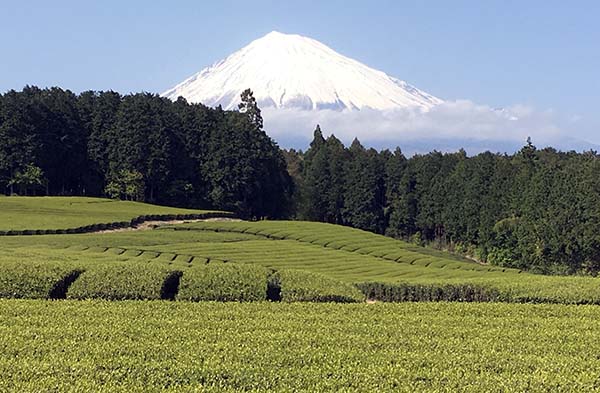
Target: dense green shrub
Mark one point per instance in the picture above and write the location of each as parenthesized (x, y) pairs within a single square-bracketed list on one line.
[(303, 286), (412, 292), (224, 282), (36, 280), (121, 281)]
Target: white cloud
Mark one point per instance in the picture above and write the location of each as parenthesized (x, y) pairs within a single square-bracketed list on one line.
[(458, 121)]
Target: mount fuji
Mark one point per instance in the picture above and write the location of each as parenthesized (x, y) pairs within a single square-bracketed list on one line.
[(299, 82), (292, 71)]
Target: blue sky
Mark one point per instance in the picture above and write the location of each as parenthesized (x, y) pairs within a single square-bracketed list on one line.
[(544, 54)]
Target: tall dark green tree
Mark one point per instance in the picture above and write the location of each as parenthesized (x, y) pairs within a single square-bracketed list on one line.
[(313, 204), (246, 170), (364, 196), (324, 179), (17, 138)]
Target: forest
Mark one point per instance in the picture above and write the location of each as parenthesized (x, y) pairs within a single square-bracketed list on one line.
[(140, 147), (536, 209)]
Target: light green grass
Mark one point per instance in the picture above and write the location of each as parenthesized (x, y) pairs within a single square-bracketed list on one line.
[(19, 213), (228, 347)]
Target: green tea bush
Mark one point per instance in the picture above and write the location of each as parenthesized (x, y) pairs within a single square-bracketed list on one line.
[(303, 286), (414, 292), (122, 281), (36, 280), (137, 346), (224, 282)]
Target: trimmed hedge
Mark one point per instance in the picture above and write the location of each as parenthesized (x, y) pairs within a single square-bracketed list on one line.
[(36, 280), (126, 281), (408, 292), (303, 286), (117, 225), (224, 282)]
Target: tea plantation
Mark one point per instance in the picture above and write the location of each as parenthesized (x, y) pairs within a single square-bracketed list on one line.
[(382, 268), (134, 346), (41, 213), (228, 305)]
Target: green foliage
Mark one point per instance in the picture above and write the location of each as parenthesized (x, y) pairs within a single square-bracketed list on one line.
[(145, 147), (356, 256), (278, 347), (224, 282), (36, 280), (365, 189), (249, 107), (303, 286), (324, 173), (141, 147), (411, 292), (29, 178), (122, 281), (501, 257), (337, 252), (551, 198), (126, 184)]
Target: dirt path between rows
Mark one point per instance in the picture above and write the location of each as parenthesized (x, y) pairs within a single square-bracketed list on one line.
[(149, 225)]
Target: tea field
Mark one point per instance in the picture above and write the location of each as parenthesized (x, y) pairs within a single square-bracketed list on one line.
[(136, 346), (385, 269), (35, 213), (232, 306)]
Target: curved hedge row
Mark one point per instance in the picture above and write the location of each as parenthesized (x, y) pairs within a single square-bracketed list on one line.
[(32, 280), (117, 225), (224, 282), (303, 286), (126, 281)]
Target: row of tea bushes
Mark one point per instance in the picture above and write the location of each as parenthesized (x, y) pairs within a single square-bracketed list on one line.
[(224, 282), (539, 289), (152, 281), (303, 286), (434, 292), (122, 280), (126, 281), (117, 225), (36, 280)]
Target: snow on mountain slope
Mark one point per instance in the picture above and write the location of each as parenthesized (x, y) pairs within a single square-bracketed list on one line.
[(291, 71)]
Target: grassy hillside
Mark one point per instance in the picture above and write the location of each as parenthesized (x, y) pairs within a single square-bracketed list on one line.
[(217, 347), (393, 270), (18, 213)]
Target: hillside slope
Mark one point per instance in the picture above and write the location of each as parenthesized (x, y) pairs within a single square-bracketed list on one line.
[(19, 213)]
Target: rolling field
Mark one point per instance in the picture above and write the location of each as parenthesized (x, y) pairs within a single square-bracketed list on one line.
[(256, 347), (386, 269), (231, 306), (21, 213)]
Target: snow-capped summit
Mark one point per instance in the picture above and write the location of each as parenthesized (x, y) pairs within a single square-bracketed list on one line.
[(292, 71)]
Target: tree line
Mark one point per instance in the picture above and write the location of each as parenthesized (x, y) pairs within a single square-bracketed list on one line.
[(141, 147), (537, 209)]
